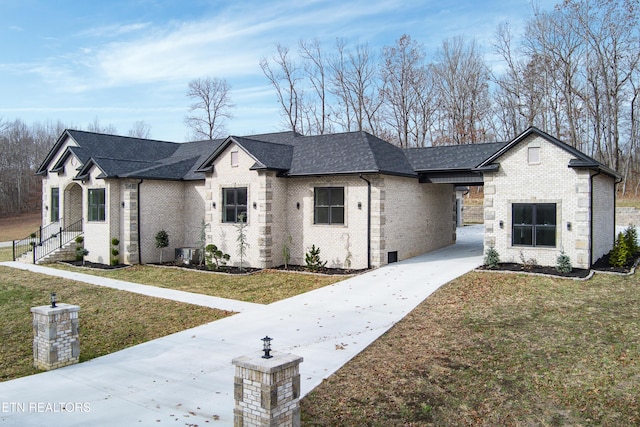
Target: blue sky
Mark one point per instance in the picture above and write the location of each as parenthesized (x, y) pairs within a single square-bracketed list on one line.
[(124, 61)]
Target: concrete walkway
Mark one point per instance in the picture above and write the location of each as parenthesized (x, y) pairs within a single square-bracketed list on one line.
[(153, 291), (187, 378)]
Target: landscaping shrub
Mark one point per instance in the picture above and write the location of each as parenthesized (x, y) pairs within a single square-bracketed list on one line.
[(631, 239), (312, 258), (162, 241), (492, 258), (563, 264), (215, 258), (620, 253)]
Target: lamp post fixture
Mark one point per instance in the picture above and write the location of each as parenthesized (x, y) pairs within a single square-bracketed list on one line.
[(266, 347), (53, 300)]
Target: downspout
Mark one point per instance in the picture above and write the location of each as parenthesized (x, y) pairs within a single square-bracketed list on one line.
[(368, 220), (139, 227), (591, 215)]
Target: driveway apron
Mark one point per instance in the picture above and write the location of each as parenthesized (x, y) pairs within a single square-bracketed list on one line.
[(187, 378)]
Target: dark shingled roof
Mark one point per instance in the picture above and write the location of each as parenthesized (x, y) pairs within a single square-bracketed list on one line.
[(288, 153), (451, 157), (347, 153)]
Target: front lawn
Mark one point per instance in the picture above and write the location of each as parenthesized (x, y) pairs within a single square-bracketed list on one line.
[(110, 320), (507, 350), (263, 288)]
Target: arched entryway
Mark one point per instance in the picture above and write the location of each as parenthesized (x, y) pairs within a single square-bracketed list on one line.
[(72, 204)]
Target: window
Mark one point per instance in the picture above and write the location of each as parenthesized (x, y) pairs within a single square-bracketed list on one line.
[(96, 204), (234, 204), (328, 205), (534, 155), (234, 158), (55, 204), (534, 224)]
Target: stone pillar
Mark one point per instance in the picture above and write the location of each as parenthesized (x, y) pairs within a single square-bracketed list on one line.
[(55, 336), (267, 391)]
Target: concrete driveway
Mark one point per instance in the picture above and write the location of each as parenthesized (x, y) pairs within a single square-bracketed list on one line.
[(187, 378)]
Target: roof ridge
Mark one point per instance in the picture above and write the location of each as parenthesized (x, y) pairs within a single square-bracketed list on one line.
[(121, 136)]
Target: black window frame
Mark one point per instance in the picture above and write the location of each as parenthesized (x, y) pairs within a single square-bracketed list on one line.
[(328, 208), (234, 209), (536, 230), (96, 207), (55, 204)]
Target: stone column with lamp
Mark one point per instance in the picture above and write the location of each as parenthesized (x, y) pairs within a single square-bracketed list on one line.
[(267, 388), (55, 335)]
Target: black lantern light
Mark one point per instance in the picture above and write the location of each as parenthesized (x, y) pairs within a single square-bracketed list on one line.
[(53, 300), (266, 347)]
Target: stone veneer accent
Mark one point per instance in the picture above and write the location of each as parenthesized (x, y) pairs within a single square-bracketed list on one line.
[(129, 238), (55, 336), (267, 391)]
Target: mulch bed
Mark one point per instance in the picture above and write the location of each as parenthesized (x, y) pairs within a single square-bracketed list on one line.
[(197, 267), (96, 265), (576, 273), (324, 270), (601, 265)]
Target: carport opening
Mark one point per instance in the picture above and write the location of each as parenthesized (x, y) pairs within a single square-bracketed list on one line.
[(392, 257)]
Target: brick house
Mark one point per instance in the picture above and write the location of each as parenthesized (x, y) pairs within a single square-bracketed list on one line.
[(363, 201)]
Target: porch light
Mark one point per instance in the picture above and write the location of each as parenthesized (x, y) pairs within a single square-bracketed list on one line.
[(214, 205), (501, 224), (298, 205), (255, 205), (266, 347), (568, 226), (53, 300), (359, 205), (122, 205)]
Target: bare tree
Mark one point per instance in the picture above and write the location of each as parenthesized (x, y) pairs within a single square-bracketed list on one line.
[(210, 108), (285, 80), (317, 112), (140, 129), (355, 84), (403, 72), (96, 127), (463, 92)]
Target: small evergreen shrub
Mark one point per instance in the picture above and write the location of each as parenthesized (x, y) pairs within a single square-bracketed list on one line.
[(115, 251), (215, 258), (631, 239), (313, 260), (620, 253), (563, 263), (492, 258)]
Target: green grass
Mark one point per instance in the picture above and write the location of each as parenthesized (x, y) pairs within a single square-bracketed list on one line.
[(492, 349), (110, 320), (6, 254), (262, 288)]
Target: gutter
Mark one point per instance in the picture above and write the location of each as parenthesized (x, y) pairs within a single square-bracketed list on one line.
[(368, 220)]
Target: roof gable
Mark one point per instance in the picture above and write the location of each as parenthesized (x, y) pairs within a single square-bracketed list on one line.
[(580, 159)]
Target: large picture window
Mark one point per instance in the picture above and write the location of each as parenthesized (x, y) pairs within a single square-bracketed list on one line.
[(55, 204), (328, 205), (534, 224), (234, 204), (96, 204)]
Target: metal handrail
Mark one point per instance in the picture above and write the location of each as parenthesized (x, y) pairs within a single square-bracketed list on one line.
[(46, 240)]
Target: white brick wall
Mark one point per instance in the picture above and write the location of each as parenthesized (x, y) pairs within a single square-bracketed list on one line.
[(603, 215), (417, 218), (161, 207), (549, 181)]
